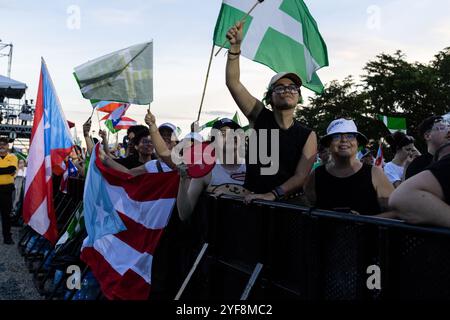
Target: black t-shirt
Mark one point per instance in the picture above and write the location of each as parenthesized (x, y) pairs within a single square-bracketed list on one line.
[(291, 143), (355, 192), (418, 165), (441, 170), (130, 162)]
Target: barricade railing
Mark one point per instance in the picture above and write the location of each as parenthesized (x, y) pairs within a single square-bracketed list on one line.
[(276, 250), (301, 253)]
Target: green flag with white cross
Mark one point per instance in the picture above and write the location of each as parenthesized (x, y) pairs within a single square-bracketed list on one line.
[(393, 123), (281, 34), (122, 76)]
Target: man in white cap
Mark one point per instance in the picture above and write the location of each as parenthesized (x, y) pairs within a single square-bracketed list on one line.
[(346, 184), (297, 144)]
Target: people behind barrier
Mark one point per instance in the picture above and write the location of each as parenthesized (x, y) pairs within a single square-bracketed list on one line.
[(402, 145), (345, 183), (297, 144), (435, 131), (226, 177), (425, 197), (19, 185)]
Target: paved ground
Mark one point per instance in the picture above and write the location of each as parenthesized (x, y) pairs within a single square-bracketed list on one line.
[(15, 281)]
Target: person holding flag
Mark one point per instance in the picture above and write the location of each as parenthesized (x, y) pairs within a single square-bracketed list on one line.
[(297, 144)]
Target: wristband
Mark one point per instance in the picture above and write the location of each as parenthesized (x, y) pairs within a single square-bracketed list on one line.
[(234, 53)]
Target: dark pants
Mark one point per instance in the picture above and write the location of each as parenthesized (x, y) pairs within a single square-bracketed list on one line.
[(5, 210)]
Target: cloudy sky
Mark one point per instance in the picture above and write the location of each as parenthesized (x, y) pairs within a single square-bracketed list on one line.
[(355, 31)]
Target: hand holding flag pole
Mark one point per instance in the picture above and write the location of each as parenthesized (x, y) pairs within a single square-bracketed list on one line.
[(211, 56), (240, 21)]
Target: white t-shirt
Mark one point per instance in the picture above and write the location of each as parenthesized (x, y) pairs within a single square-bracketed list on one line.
[(22, 172), (152, 167), (220, 175), (393, 172)]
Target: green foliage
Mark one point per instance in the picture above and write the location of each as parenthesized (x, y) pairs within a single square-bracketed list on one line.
[(389, 86)]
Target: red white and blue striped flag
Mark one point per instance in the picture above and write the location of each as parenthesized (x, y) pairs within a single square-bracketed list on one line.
[(51, 142), (125, 218), (379, 159)]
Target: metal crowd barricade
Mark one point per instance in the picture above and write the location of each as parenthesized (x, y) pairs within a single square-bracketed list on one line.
[(275, 250), (282, 251), (42, 258)]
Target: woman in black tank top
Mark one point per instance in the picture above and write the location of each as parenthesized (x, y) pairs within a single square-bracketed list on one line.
[(345, 184)]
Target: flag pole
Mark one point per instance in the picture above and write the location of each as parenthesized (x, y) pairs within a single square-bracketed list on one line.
[(240, 21), (206, 83)]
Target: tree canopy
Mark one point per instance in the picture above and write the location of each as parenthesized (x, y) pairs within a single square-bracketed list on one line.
[(390, 86)]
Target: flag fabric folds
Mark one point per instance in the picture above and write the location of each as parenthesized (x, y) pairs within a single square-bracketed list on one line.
[(75, 226), (125, 218), (120, 124), (281, 34), (123, 76), (393, 123), (208, 124), (379, 158), (106, 106), (50, 143), (117, 113)]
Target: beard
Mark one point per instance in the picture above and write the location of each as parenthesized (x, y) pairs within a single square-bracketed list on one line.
[(284, 106)]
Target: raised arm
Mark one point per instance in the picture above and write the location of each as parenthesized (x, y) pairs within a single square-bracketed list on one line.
[(87, 137), (109, 162), (249, 105), (160, 145), (188, 193), (104, 136)]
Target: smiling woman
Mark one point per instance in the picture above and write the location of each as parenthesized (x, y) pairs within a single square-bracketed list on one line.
[(345, 184)]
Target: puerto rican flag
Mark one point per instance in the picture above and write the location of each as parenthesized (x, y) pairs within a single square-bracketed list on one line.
[(379, 158), (125, 217), (107, 106), (70, 171), (51, 142), (124, 123)]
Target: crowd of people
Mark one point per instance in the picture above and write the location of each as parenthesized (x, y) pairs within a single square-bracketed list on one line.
[(334, 172)]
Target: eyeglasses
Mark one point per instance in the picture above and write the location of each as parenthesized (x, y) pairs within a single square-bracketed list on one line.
[(289, 89), (441, 127), (146, 141), (346, 136)]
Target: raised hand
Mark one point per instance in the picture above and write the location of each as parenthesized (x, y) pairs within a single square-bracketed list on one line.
[(150, 119), (102, 134), (87, 127), (235, 34)]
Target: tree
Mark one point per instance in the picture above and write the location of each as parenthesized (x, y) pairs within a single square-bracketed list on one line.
[(389, 86)]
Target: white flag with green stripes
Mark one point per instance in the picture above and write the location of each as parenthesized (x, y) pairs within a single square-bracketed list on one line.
[(280, 34), (393, 123)]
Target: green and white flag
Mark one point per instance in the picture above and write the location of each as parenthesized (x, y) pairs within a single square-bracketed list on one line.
[(237, 119), (280, 34), (393, 123), (76, 224), (123, 76), (209, 124)]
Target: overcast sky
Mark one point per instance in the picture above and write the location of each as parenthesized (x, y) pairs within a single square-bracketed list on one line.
[(355, 32)]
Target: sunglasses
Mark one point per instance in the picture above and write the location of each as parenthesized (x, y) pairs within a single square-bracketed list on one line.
[(286, 89), (346, 136)]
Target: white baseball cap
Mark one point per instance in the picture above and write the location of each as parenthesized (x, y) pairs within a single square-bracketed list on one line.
[(194, 135), (290, 75), (172, 127), (343, 126)]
